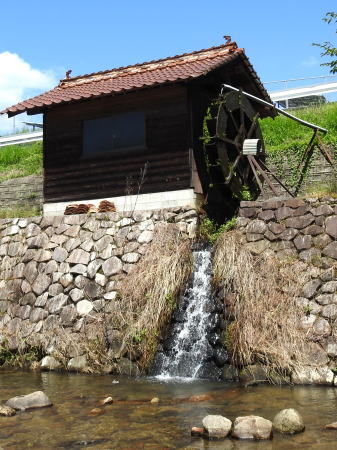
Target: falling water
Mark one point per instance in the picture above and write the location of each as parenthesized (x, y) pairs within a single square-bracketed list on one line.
[(192, 346)]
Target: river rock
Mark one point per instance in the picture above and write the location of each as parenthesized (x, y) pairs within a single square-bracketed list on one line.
[(96, 412), (197, 431), (127, 367), (288, 421), (50, 363), (252, 427), (311, 375), (106, 401), (199, 398), (331, 426), (36, 399), (77, 364), (216, 427), (7, 411)]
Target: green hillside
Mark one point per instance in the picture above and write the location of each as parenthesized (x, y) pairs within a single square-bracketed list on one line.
[(286, 140), (20, 160), (282, 133)]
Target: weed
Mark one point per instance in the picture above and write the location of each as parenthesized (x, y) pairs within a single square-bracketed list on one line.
[(267, 319), (307, 310), (148, 293), (209, 231)]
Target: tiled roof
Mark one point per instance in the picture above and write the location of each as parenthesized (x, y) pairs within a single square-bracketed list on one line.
[(168, 70)]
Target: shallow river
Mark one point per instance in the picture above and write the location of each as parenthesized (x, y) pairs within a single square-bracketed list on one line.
[(132, 422)]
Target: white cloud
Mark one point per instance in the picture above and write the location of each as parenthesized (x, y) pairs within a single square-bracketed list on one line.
[(311, 61), (19, 81)]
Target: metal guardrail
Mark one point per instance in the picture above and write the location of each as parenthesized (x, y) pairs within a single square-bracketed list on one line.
[(303, 91), (23, 138)]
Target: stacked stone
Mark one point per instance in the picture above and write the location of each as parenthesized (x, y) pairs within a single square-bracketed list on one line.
[(303, 230), (60, 272), (299, 228)]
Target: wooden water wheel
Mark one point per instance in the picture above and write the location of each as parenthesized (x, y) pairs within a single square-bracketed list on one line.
[(233, 136), (234, 154)]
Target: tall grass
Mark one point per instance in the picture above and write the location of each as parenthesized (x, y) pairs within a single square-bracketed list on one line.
[(150, 291), (20, 160), (266, 325)]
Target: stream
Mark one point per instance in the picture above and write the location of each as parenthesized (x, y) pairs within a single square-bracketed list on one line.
[(132, 422)]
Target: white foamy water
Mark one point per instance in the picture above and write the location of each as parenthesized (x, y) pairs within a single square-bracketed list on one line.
[(190, 344)]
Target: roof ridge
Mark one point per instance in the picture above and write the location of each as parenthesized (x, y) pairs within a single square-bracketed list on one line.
[(65, 81)]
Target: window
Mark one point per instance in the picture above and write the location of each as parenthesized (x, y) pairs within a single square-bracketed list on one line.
[(124, 131)]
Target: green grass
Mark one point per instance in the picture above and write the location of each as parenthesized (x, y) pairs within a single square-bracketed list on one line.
[(20, 160), (283, 133), (20, 211), (286, 141)]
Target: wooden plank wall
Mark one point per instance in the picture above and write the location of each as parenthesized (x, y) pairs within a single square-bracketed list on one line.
[(68, 177)]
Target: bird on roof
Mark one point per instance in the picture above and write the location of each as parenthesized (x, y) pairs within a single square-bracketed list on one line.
[(228, 39), (68, 72)]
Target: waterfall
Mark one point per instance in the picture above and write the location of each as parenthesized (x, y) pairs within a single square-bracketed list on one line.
[(193, 348)]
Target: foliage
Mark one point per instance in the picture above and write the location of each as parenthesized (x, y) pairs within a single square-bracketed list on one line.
[(328, 48), (210, 231), (20, 160), (23, 357), (260, 294)]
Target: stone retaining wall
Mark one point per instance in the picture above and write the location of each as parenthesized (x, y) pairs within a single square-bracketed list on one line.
[(59, 276), (303, 230), (26, 192)]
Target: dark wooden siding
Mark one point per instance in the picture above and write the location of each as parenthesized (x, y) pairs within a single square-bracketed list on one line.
[(68, 177)]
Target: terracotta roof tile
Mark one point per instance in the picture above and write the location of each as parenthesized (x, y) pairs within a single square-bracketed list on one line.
[(176, 68)]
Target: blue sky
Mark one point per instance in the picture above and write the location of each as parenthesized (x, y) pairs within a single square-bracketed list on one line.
[(87, 36)]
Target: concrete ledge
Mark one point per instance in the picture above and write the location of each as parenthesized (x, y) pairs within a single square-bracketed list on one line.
[(142, 202)]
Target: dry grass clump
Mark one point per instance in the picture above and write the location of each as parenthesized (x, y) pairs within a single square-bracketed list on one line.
[(262, 303), (149, 292)]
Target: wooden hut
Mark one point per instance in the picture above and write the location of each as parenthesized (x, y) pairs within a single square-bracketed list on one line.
[(131, 135)]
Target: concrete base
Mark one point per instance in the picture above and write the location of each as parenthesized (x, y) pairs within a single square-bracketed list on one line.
[(142, 202)]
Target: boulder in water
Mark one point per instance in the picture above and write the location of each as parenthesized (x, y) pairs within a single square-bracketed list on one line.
[(197, 431), (288, 421), (7, 411), (77, 364), (331, 426), (50, 363), (230, 373), (106, 401), (252, 427), (216, 427), (199, 398), (36, 399), (253, 373), (96, 412)]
